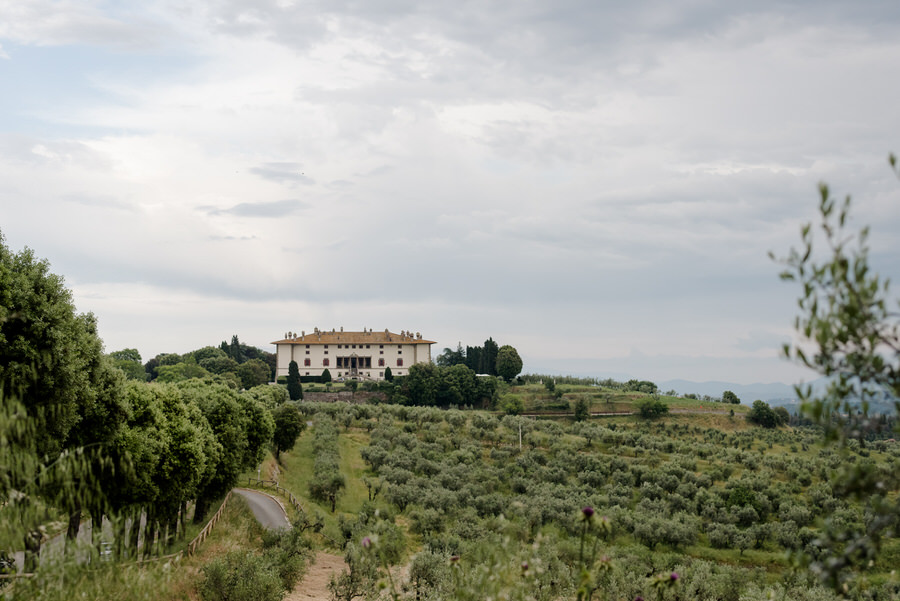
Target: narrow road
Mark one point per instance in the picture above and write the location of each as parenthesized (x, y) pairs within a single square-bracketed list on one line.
[(267, 510)]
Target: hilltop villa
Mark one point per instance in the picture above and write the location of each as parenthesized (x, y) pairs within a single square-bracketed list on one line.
[(358, 355)]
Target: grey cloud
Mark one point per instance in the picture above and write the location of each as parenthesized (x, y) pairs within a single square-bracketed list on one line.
[(274, 209), (291, 173), (44, 22)]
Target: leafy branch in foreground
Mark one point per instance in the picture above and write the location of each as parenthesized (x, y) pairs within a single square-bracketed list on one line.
[(850, 335)]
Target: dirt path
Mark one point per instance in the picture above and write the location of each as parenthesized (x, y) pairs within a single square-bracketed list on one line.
[(314, 587)]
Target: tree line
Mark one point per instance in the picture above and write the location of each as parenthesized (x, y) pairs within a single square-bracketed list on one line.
[(83, 435), (488, 359)]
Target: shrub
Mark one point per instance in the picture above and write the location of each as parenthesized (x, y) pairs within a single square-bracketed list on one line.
[(241, 576)]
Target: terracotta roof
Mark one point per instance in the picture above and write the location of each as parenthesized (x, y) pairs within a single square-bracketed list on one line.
[(365, 337)]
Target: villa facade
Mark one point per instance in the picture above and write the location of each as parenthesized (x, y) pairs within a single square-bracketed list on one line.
[(352, 355)]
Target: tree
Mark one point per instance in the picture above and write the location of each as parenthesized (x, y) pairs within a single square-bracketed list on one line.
[(47, 351), (289, 424), (129, 361), (762, 415), (326, 376), (489, 358), (450, 357), (855, 339), (388, 375), (729, 397), (253, 373), (295, 389), (582, 409), (509, 364), (651, 408)]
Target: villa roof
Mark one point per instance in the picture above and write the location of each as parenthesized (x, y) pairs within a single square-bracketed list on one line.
[(364, 337)]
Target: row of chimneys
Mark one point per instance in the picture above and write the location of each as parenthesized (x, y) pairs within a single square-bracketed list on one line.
[(403, 333)]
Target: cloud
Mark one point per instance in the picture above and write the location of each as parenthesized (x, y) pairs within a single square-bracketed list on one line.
[(282, 173), (277, 208), (612, 173)]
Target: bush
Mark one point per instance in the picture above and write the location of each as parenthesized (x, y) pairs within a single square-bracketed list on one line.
[(651, 408), (241, 576)]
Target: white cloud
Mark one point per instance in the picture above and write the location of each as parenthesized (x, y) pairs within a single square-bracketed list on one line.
[(617, 173)]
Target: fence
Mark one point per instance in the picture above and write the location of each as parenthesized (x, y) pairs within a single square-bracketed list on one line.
[(192, 546), (287, 494)]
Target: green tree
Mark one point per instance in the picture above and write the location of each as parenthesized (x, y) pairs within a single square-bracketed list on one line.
[(253, 372), (847, 319), (582, 409), (130, 362), (295, 389), (326, 376), (489, 358), (651, 408), (47, 350), (289, 424), (762, 415), (451, 357), (509, 364), (388, 375), (729, 397)]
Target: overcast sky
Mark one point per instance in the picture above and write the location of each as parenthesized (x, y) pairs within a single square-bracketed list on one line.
[(596, 183)]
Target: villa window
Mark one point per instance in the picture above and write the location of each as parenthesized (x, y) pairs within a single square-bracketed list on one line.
[(325, 362), (399, 362), (306, 363)]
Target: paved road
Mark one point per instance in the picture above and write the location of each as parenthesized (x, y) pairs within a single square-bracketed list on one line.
[(266, 509)]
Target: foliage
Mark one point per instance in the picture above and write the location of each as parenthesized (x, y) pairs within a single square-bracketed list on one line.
[(325, 378), (509, 364), (582, 409), (327, 481), (763, 415), (729, 397), (241, 576), (295, 389), (42, 335), (854, 337), (253, 372), (651, 408), (289, 424)]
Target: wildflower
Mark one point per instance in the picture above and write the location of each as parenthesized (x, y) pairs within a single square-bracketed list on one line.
[(673, 577), (366, 542), (587, 513)]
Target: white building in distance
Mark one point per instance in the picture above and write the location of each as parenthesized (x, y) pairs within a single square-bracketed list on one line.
[(358, 355)]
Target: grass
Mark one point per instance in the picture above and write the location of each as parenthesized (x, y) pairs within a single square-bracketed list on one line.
[(149, 581), (297, 469)]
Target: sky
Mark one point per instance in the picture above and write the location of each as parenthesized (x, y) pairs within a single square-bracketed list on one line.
[(596, 183)]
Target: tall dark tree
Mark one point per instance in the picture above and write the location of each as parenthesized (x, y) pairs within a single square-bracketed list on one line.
[(326, 376), (295, 389), (388, 375), (234, 350), (473, 358), (489, 358)]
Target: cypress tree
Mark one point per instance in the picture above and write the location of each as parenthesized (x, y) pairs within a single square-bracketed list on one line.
[(295, 389)]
